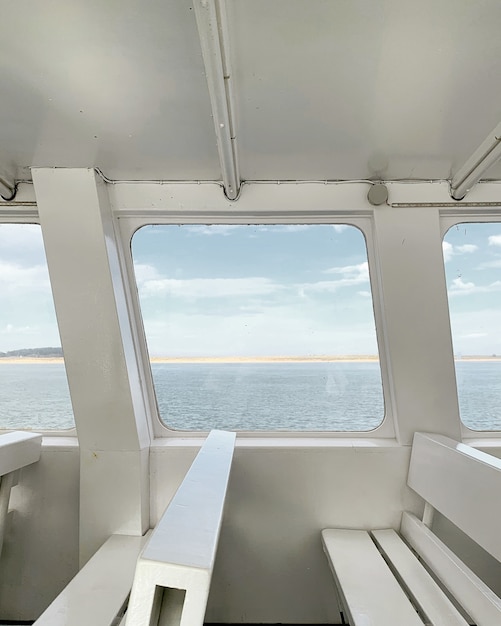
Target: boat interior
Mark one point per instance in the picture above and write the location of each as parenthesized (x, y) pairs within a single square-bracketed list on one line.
[(379, 114)]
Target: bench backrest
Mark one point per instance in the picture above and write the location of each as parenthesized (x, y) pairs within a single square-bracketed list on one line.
[(18, 449), (462, 483)]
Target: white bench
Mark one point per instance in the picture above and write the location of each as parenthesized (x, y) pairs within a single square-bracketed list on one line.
[(173, 574), (98, 594), (181, 548), (381, 581), (17, 450)]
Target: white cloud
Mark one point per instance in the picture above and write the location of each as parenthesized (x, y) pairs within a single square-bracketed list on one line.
[(467, 248), (490, 264), (285, 228), (476, 332), (449, 250), (365, 294), (359, 272), (10, 329), (213, 229), (459, 287), (275, 331), (350, 275), (293, 228), (17, 236), (15, 279), (339, 228), (144, 272), (208, 287), (495, 240)]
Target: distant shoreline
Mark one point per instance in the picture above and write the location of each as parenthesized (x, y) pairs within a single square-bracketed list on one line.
[(366, 358)]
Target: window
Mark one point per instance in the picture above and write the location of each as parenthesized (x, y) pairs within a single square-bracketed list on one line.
[(472, 256), (260, 327), (33, 387)]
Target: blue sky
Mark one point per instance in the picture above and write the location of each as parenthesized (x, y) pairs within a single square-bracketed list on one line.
[(256, 290), (472, 255), (27, 317)]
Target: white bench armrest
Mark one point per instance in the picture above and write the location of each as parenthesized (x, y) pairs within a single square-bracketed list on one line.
[(174, 571)]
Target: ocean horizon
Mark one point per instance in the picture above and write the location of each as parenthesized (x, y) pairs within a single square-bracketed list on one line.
[(342, 393)]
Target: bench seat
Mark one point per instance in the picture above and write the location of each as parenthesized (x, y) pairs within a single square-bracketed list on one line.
[(384, 578)]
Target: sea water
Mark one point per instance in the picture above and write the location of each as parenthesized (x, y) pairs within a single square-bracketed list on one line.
[(314, 396)]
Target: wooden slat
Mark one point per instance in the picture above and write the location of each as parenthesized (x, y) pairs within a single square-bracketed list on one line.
[(459, 482), (480, 602), (370, 593), (425, 592)]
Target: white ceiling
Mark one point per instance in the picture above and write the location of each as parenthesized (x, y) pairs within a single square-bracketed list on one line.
[(324, 89)]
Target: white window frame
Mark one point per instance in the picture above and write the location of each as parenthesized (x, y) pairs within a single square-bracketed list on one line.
[(130, 222), (31, 217), (449, 219)]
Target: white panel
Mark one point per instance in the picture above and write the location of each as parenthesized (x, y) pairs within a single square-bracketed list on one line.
[(475, 597), (432, 601), (100, 357), (322, 89), (334, 90), (370, 592), (118, 86), (459, 481), (18, 449), (417, 336)]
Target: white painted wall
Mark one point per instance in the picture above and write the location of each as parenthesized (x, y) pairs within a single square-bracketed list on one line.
[(40, 553), (270, 565)]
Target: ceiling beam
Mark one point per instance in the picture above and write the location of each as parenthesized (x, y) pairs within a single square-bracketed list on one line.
[(475, 167), (212, 30), (7, 187)]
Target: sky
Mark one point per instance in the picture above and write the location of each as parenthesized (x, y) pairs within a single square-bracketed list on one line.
[(472, 256), (255, 290)]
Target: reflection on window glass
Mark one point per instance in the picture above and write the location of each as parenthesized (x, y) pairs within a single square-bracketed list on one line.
[(260, 327), (472, 256), (33, 386)]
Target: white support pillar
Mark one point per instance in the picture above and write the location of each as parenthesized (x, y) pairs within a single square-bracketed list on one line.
[(100, 356), (417, 332)]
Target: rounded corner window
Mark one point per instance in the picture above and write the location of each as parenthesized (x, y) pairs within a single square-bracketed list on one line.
[(34, 392), (260, 327), (472, 261)]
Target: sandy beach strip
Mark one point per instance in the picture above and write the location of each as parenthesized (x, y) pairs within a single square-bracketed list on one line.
[(30, 359), (219, 359), (344, 358), (265, 359)]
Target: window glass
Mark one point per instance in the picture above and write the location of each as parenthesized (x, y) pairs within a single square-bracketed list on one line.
[(472, 256), (33, 386), (260, 327)]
